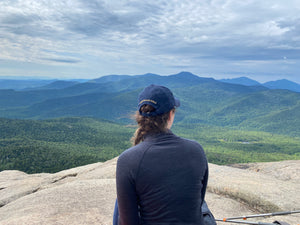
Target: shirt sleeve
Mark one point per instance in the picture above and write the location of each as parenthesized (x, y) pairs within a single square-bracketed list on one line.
[(126, 192)]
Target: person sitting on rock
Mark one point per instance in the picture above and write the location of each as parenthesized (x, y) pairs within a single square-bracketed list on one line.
[(162, 179)]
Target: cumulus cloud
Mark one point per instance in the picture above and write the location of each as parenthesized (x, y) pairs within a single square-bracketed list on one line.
[(131, 36)]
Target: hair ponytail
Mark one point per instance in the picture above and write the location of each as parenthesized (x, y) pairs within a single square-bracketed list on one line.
[(149, 124)]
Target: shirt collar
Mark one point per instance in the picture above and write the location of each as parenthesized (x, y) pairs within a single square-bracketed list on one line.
[(152, 136)]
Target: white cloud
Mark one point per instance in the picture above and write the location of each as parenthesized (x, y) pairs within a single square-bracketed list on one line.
[(146, 36)]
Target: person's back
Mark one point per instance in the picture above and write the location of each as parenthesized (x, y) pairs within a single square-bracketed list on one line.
[(163, 178), (170, 175)]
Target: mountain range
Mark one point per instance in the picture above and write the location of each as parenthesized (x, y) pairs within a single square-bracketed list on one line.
[(236, 103), (21, 83), (278, 84)]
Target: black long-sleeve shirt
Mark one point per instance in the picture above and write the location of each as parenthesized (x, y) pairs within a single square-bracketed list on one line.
[(162, 181)]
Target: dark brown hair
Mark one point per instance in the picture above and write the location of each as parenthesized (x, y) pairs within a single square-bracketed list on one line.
[(149, 124)]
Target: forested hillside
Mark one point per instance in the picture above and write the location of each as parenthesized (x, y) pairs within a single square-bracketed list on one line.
[(204, 100), (57, 144), (66, 124)]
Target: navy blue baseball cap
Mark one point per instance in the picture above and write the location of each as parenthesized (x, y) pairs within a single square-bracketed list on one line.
[(159, 97)]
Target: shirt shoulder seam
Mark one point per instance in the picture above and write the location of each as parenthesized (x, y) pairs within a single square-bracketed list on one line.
[(140, 162)]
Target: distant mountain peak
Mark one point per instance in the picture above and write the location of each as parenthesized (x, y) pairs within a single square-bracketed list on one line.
[(185, 73), (150, 74), (242, 81), (109, 78), (59, 84), (283, 84)]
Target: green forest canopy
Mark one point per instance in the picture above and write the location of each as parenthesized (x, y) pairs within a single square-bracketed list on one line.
[(53, 145)]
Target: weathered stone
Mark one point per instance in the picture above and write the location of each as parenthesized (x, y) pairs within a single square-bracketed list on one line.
[(86, 195)]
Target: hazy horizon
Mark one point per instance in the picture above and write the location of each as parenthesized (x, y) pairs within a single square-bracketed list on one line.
[(70, 78)]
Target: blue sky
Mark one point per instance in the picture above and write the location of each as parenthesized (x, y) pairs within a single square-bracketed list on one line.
[(91, 38)]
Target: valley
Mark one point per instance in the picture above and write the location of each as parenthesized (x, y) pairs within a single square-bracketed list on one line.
[(66, 124)]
